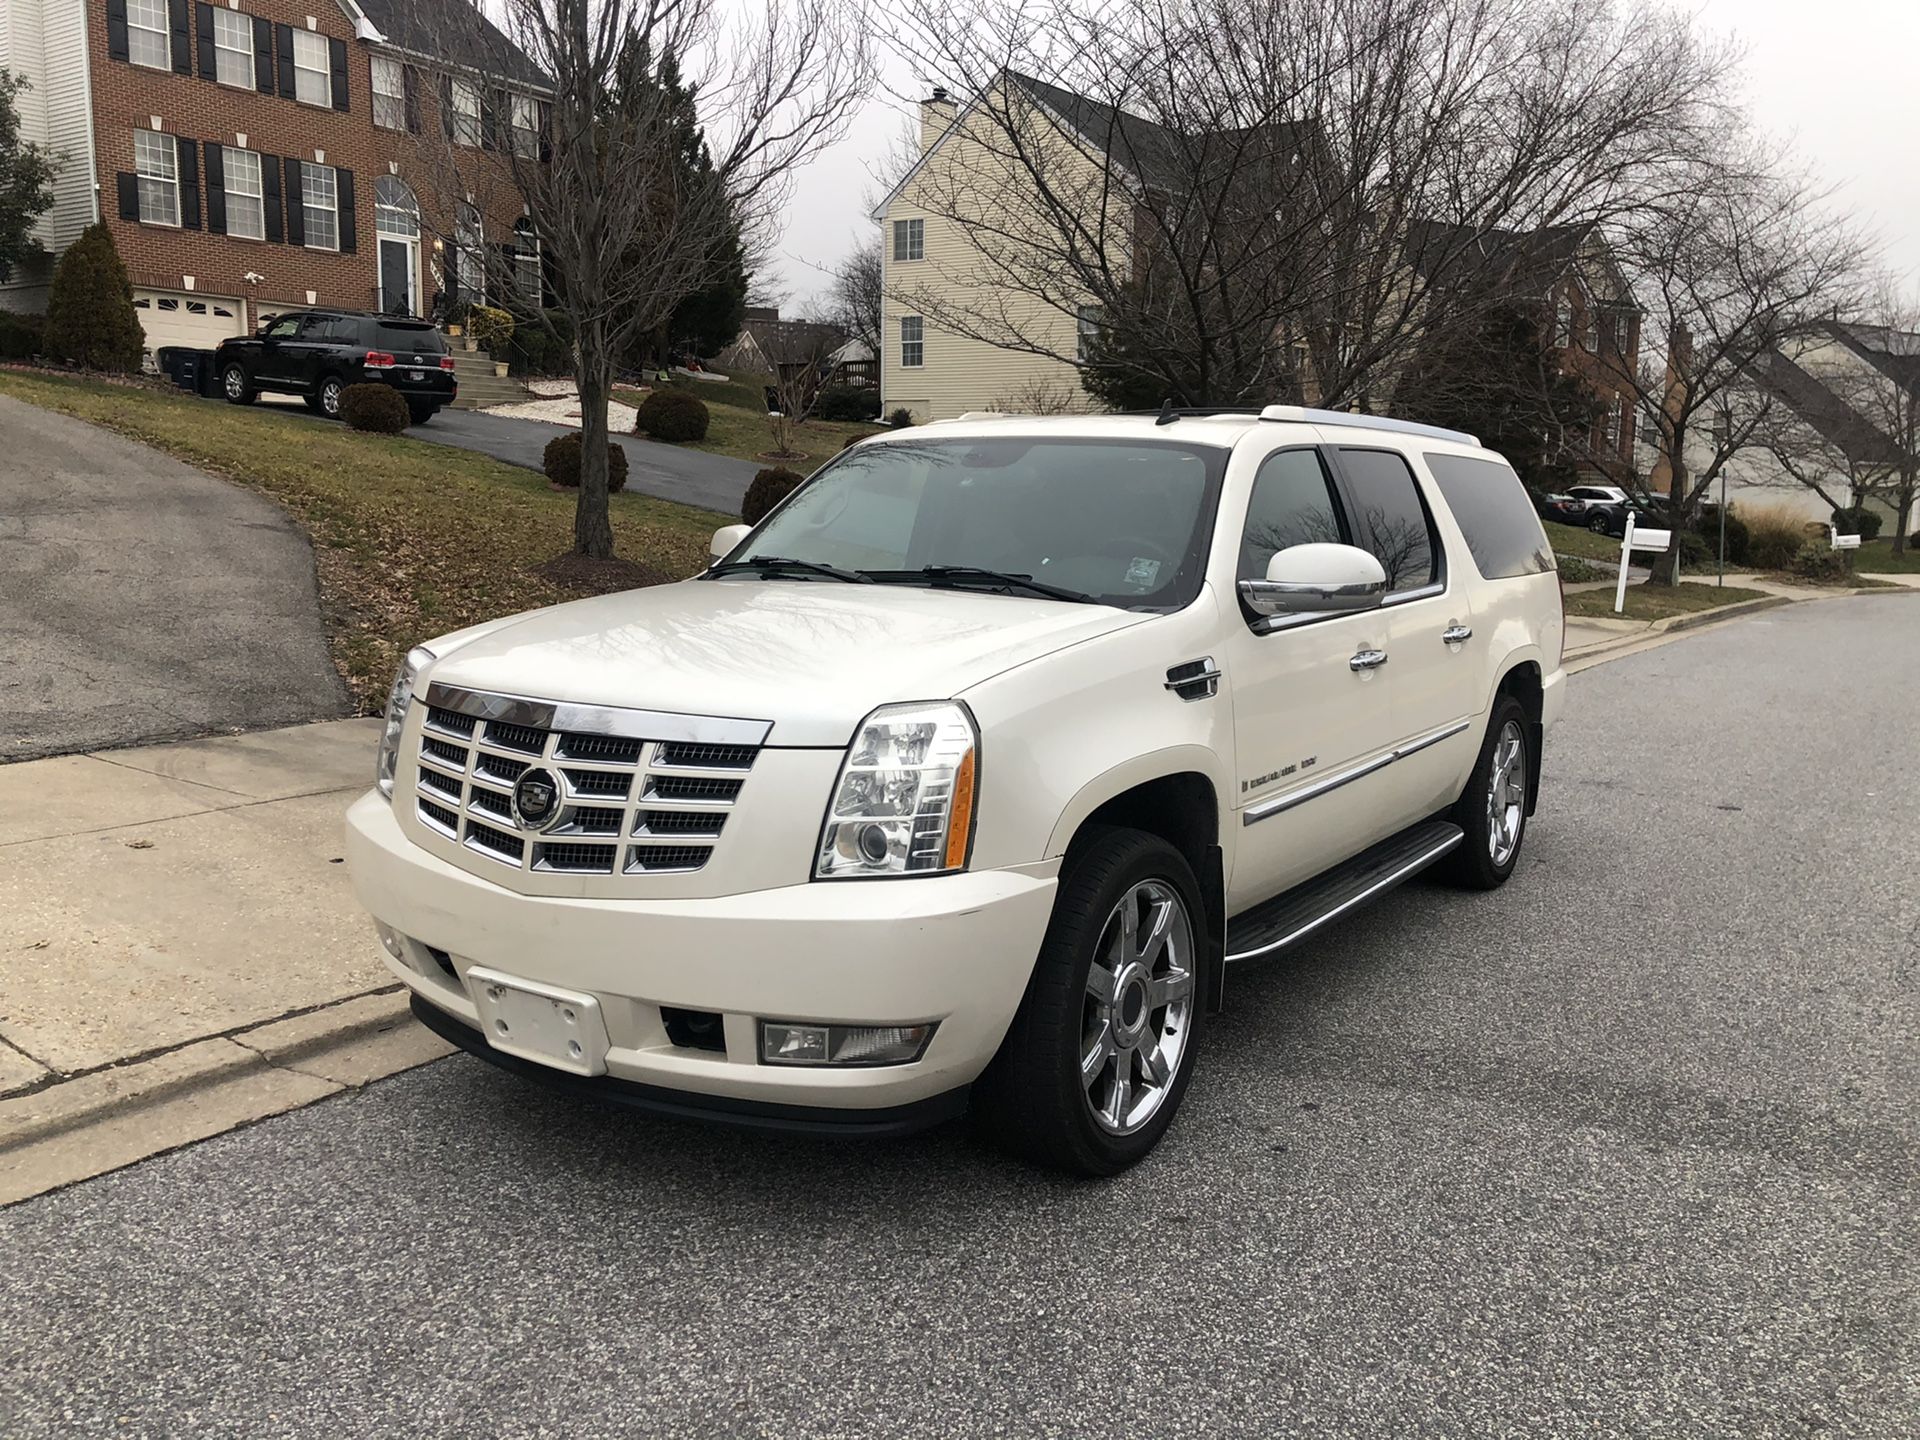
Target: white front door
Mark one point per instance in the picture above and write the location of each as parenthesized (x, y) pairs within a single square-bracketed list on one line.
[(399, 290)]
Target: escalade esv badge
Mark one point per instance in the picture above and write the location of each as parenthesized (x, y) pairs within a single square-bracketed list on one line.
[(536, 799)]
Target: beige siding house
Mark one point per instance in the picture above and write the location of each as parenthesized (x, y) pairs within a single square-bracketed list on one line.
[(967, 322)]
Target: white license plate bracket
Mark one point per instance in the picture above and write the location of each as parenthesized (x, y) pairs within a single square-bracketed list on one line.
[(542, 1023)]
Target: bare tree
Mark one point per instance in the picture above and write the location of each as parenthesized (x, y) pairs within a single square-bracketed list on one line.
[(1738, 265), (595, 145), (854, 297), (1849, 411), (1286, 198)]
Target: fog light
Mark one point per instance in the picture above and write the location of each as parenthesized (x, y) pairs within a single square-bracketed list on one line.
[(392, 941), (782, 1043)]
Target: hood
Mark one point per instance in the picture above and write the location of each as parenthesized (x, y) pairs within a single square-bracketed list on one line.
[(813, 657)]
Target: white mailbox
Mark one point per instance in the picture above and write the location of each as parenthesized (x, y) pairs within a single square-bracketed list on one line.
[(1842, 542), (1632, 539)]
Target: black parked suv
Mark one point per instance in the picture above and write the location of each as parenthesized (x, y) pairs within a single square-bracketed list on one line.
[(316, 354)]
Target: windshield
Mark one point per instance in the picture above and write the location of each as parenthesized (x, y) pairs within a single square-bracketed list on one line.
[(1120, 522)]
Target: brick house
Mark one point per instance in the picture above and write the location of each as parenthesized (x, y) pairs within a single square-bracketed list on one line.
[(258, 155)]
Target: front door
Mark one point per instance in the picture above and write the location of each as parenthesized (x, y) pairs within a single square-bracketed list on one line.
[(396, 278), (1309, 712)]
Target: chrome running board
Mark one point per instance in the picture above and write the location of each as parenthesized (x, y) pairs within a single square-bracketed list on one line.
[(1290, 917)]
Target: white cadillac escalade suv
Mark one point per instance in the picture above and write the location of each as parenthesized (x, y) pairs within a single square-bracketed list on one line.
[(958, 780)]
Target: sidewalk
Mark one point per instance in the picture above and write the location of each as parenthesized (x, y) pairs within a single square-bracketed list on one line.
[(179, 949)]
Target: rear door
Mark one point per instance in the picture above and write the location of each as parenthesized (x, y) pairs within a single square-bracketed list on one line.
[(325, 344), (1429, 627), (1308, 720)]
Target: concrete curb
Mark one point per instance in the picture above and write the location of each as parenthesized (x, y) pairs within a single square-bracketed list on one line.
[(106, 1119), (1657, 631)]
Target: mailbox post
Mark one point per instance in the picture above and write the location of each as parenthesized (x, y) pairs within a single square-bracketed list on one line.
[(1632, 539)]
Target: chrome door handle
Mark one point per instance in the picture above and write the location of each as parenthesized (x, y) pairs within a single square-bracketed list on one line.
[(1456, 634), (1367, 660)]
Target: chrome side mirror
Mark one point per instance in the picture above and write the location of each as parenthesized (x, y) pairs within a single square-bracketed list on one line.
[(1317, 580), (725, 538)]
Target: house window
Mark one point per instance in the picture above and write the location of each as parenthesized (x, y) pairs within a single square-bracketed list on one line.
[(246, 207), (1626, 425), (466, 113), (526, 264), (913, 342), (147, 42), (1592, 335), (394, 211), (1562, 323), (1086, 332), (155, 162), (1622, 328), (469, 250), (1608, 437), (318, 207), (312, 69), (909, 239), (389, 93), (233, 48), (526, 127)]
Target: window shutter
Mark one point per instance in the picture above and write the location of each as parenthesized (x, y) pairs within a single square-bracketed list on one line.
[(343, 197), (296, 216), (283, 42), (543, 117), (188, 155), (129, 186), (116, 29), (446, 105), (203, 24), (410, 85), (337, 58), (489, 118), (263, 55), (179, 22), (270, 195), (216, 168)]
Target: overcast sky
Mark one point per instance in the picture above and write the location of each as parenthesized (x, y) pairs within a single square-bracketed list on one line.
[(1837, 79)]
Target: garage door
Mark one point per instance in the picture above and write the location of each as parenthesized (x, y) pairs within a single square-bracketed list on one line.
[(198, 321)]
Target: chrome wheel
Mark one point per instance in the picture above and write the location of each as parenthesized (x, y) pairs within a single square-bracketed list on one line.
[(1506, 794), (236, 382), (330, 397), (1138, 1007)]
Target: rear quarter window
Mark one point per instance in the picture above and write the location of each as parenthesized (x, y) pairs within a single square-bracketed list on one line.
[(1491, 507)]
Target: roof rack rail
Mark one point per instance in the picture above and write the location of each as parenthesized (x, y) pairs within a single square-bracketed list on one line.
[(1303, 415)]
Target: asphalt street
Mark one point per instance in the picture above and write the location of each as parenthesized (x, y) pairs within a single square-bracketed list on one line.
[(1628, 1147), (143, 600)]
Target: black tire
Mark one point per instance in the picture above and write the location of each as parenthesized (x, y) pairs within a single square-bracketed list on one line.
[(236, 384), (422, 413), (1599, 524), (328, 396), (1032, 1099), (1475, 863), (312, 402)]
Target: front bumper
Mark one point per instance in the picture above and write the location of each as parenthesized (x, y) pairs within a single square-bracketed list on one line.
[(954, 949)]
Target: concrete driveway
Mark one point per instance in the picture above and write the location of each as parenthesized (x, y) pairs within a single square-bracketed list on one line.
[(666, 472), (142, 600)]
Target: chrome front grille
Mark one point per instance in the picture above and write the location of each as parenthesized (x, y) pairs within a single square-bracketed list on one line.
[(630, 804)]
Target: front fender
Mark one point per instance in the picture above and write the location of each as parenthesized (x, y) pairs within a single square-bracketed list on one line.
[(1135, 771)]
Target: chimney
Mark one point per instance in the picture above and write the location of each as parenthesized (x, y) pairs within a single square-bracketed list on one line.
[(936, 114)]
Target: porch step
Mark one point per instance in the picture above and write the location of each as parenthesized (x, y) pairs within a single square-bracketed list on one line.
[(1293, 916)]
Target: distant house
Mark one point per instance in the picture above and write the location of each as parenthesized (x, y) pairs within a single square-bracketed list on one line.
[(766, 341)]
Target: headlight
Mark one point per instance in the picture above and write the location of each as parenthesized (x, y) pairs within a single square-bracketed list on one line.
[(397, 701), (903, 804)]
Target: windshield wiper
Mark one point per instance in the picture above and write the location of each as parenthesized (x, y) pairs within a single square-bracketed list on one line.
[(783, 565), (963, 574)]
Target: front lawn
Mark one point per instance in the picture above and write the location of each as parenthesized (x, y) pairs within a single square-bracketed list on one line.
[(737, 424), (1876, 557), (1573, 540), (411, 539), (1658, 602)]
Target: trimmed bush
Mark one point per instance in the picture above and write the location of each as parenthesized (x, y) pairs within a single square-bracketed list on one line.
[(1864, 523), (672, 415), (769, 488), (491, 329), (1815, 561), (90, 316), (900, 419), (1708, 529), (375, 407), (541, 345), (845, 404), (1576, 571), (562, 463), (21, 336)]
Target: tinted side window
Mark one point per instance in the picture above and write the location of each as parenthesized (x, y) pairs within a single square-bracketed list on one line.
[(284, 329), (1493, 512), (413, 339), (1390, 519), (1291, 504)]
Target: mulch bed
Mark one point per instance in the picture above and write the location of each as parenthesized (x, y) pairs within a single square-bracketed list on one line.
[(585, 576)]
